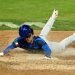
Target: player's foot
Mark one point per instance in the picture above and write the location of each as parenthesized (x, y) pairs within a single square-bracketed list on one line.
[(73, 36), (1, 54), (55, 13)]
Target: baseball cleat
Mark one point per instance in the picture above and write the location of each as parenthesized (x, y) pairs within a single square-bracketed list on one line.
[(73, 37), (55, 13), (74, 34)]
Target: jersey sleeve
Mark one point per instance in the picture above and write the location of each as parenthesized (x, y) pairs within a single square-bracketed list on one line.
[(45, 47), (15, 42)]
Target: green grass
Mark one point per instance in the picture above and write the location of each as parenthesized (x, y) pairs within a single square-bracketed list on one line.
[(7, 28), (19, 11), (64, 25)]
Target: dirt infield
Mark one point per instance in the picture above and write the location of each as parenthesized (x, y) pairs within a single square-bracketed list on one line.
[(21, 62)]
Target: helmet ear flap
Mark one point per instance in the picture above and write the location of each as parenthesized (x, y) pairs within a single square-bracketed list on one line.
[(20, 31), (32, 31)]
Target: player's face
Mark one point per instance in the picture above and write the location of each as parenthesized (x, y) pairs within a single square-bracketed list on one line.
[(29, 39)]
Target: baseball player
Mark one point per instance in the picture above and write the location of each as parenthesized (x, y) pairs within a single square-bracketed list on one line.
[(27, 40)]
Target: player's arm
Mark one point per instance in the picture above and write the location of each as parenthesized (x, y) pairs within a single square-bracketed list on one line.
[(45, 47), (47, 50), (10, 47)]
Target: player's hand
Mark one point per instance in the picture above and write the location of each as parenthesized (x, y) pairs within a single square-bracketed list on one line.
[(50, 58), (1, 54)]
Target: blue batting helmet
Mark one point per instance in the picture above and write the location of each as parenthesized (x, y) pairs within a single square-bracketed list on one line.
[(25, 31)]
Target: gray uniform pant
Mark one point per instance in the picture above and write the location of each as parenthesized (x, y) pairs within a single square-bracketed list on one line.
[(55, 46)]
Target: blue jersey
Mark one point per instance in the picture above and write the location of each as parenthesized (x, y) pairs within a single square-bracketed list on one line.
[(38, 43)]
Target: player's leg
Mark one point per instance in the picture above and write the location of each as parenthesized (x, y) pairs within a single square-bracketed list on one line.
[(64, 43), (59, 46), (49, 24)]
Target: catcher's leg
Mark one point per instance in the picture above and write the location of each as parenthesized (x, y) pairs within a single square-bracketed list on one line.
[(49, 24), (64, 43)]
